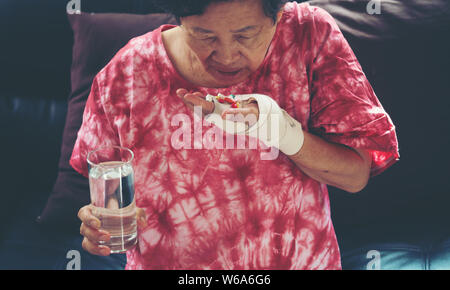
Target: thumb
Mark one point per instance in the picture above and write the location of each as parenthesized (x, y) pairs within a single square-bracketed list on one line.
[(141, 218)]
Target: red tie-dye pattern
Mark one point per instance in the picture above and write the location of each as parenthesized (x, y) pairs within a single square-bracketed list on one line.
[(228, 208)]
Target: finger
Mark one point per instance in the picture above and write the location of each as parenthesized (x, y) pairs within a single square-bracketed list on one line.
[(141, 218), (86, 216), (181, 92), (95, 249), (112, 202), (94, 235), (197, 99), (194, 97), (111, 186)]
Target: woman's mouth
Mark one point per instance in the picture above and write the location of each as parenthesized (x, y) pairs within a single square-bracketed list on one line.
[(226, 74), (229, 72)]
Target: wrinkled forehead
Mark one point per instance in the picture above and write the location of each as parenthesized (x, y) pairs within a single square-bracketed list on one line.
[(233, 16)]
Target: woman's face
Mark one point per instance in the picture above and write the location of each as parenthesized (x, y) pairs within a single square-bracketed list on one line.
[(230, 39)]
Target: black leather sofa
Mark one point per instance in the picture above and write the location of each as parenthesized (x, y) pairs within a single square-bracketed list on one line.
[(400, 221)]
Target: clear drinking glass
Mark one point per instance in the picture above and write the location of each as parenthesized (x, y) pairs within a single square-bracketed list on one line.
[(111, 183)]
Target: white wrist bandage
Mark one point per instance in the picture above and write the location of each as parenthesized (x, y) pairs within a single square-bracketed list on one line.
[(274, 127)]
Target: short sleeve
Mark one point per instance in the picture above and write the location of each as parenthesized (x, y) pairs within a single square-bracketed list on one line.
[(96, 130), (344, 107)]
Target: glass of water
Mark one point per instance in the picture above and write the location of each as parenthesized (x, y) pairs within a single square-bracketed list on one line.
[(111, 183)]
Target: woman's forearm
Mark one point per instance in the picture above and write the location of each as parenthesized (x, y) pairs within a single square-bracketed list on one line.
[(333, 164)]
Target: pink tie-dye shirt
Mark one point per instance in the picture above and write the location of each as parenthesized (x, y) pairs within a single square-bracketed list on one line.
[(212, 208)]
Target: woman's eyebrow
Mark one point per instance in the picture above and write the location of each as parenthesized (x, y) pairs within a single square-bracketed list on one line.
[(201, 30), (245, 29)]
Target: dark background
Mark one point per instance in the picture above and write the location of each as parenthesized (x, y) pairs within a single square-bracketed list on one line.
[(404, 53)]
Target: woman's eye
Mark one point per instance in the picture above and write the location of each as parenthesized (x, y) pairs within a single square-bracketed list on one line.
[(209, 39), (243, 38)]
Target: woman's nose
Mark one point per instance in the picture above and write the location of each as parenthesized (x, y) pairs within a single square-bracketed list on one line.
[(226, 55)]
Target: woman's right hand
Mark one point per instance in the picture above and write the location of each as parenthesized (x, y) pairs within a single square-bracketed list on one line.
[(93, 235)]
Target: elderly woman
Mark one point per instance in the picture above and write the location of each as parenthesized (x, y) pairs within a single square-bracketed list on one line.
[(208, 204)]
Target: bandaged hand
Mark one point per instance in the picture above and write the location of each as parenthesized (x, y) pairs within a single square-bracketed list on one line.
[(274, 126)]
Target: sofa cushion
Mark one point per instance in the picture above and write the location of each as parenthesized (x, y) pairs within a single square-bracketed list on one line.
[(97, 38)]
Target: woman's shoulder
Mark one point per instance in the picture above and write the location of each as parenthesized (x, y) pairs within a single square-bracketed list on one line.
[(304, 13), (306, 26), (138, 69), (137, 56)]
